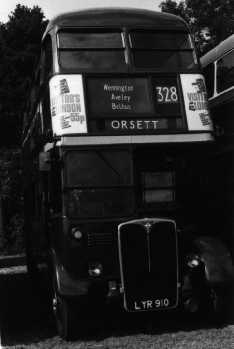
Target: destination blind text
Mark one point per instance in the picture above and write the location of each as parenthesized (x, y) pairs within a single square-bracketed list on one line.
[(134, 124), (120, 96)]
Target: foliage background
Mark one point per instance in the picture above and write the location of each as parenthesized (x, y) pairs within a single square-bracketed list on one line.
[(20, 40), (211, 21)]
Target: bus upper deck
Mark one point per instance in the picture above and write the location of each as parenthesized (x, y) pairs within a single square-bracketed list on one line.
[(123, 73)]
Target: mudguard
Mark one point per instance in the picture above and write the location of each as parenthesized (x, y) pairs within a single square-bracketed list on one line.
[(65, 283), (217, 260)]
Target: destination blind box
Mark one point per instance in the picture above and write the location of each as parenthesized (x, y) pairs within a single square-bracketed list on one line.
[(132, 105)]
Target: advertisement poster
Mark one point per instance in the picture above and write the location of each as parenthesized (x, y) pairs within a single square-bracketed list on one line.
[(67, 105), (196, 102)]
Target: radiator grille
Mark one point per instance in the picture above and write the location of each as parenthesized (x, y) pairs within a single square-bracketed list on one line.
[(149, 264)]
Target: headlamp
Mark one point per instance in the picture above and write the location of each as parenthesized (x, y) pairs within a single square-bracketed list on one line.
[(193, 261), (95, 269), (76, 233)]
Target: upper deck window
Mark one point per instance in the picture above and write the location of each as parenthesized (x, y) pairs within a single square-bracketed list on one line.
[(170, 51), (91, 51), (160, 41), (72, 40)]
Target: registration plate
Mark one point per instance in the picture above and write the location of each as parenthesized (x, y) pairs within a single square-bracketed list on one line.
[(150, 304)]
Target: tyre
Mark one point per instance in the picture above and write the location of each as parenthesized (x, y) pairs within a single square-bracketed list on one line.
[(76, 317), (219, 305), (69, 313), (65, 316)]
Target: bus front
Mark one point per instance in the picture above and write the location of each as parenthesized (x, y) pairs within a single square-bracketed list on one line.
[(130, 123)]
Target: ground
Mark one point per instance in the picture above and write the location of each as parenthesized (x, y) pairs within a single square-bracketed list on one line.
[(27, 322)]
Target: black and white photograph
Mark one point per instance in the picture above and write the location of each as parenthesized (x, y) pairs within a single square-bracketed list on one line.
[(117, 174)]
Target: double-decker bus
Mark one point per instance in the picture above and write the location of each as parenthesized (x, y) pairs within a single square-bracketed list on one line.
[(218, 69), (116, 138)]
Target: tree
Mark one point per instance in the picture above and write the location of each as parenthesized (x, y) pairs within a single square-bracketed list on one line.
[(211, 21), (173, 7), (20, 41)]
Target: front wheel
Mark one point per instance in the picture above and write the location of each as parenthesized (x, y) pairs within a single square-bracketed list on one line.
[(65, 317), (220, 303)]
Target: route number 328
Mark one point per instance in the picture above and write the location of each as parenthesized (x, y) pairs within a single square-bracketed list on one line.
[(166, 94)]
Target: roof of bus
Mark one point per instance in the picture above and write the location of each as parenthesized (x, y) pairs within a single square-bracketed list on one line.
[(218, 51), (117, 17)]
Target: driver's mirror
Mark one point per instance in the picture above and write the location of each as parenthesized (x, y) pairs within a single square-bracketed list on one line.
[(44, 161)]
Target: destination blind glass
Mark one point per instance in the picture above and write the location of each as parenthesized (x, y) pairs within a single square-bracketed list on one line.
[(118, 97)]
